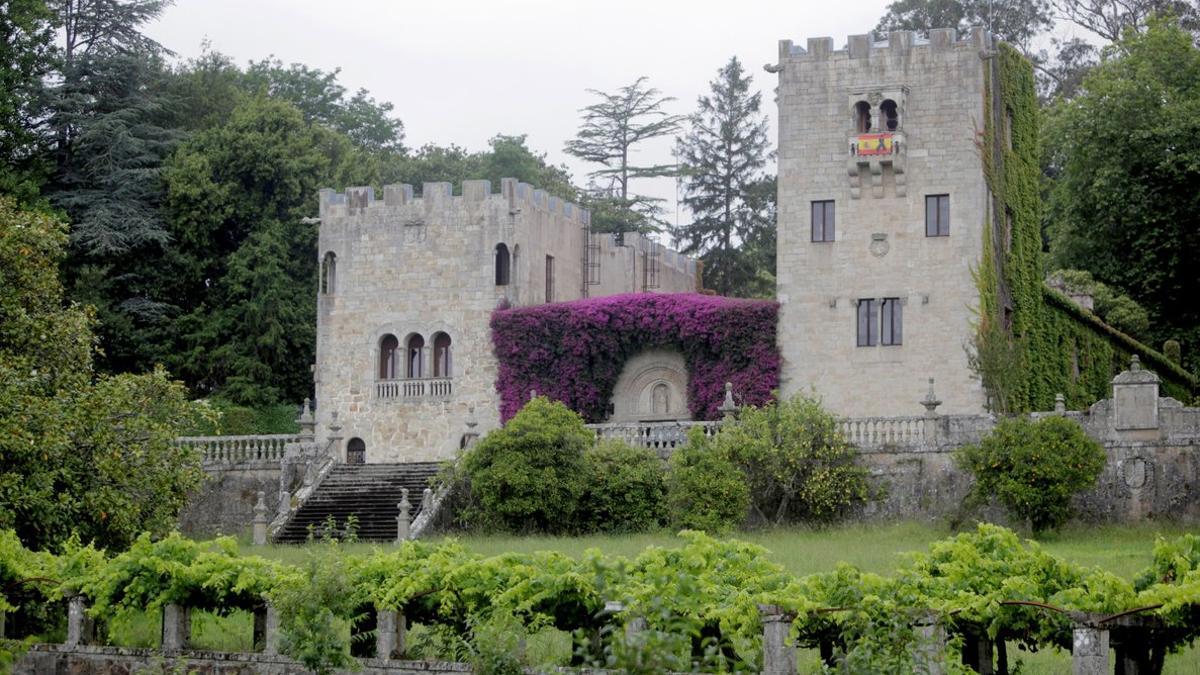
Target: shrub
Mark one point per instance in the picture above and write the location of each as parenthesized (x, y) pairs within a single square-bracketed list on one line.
[(529, 474), (626, 489), (705, 491), (1033, 468), (796, 462)]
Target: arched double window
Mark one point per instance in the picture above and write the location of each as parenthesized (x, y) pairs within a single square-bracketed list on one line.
[(389, 358), (443, 362), (503, 265), (862, 117), (414, 348), (328, 273)]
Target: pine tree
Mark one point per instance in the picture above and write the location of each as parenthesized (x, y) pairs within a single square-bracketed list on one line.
[(723, 154), (609, 131)]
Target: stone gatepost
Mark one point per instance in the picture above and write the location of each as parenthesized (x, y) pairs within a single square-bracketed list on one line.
[(1089, 650), (176, 627), (404, 517), (779, 657), (80, 626), (1135, 402), (260, 520), (391, 634)]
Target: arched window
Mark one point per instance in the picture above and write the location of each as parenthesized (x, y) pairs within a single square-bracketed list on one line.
[(862, 117), (891, 116), (389, 358), (442, 360), (356, 451), (415, 363), (328, 273), (503, 265)]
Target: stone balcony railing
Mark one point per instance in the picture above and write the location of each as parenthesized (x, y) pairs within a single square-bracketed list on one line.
[(424, 388), (873, 432), (659, 436), (239, 449)]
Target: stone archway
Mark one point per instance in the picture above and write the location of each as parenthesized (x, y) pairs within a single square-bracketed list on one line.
[(652, 386)]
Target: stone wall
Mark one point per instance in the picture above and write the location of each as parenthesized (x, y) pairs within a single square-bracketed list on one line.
[(419, 266), (880, 248), (224, 502)]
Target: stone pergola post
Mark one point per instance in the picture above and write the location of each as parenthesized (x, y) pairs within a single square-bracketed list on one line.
[(176, 627), (80, 627), (929, 654), (779, 657), (260, 520), (1089, 650), (391, 634), (404, 517)]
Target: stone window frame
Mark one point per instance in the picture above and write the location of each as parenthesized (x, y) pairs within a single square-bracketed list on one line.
[(549, 278), (891, 322), (328, 273), (414, 356), (828, 231), (443, 363), (866, 322), (939, 226), (861, 110), (503, 265), (388, 365)]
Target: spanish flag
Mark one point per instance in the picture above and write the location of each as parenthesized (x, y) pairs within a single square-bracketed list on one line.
[(874, 144)]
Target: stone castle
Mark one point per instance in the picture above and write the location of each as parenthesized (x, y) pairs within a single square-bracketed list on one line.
[(883, 216)]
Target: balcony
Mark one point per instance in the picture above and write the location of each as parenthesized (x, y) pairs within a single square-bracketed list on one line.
[(431, 388)]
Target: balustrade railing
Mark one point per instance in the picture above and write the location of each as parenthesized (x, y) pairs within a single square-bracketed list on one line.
[(235, 449), (652, 435), (873, 432), (436, 387)]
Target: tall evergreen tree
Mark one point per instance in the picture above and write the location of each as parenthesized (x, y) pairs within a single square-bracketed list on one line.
[(26, 56), (723, 154), (608, 134)]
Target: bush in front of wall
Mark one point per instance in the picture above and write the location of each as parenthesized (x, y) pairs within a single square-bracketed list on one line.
[(705, 491)]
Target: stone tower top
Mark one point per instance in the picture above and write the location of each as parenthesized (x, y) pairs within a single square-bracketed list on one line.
[(898, 44)]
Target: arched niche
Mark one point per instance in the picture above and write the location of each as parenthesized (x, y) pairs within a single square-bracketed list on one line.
[(652, 387)]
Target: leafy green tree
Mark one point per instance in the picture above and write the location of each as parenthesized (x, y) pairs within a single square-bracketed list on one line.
[(722, 155), (1131, 222), (77, 454), (1033, 468), (26, 50), (241, 270), (705, 491), (529, 475), (625, 490), (608, 132), (1109, 19), (1017, 22), (797, 463), (506, 157)]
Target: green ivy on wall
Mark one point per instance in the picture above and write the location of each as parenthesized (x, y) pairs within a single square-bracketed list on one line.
[(1054, 345)]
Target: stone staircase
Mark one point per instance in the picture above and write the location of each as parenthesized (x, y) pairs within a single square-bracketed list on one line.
[(368, 491)]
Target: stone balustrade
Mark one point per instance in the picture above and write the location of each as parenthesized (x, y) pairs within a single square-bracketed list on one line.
[(239, 449), (659, 436), (873, 432), (431, 388)]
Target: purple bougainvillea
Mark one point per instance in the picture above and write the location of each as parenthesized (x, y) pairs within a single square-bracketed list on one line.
[(574, 351)]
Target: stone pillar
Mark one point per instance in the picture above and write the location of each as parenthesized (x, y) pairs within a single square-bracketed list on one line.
[(636, 626), (391, 630), (1089, 651), (404, 517), (271, 631), (928, 658), (307, 423), (1060, 404), (176, 627), (1, 624), (260, 520), (1135, 399), (779, 657), (80, 626), (930, 421)]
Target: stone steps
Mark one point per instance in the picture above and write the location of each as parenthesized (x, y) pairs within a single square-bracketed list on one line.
[(370, 492)]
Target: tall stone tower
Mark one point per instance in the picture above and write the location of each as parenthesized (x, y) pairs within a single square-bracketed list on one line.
[(882, 208)]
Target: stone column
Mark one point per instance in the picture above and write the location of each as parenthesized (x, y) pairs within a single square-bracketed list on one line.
[(260, 520), (404, 517), (80, 626), (391, 630), (176, 627), (1089, 651), (271, 631), (929, 654), (930, 421), (779, 657)]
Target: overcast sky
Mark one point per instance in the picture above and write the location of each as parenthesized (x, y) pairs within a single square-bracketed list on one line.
[(461, 72)]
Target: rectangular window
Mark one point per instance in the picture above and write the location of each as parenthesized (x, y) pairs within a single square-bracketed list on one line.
[(892, 321), (868, 322), (822, 220), (549, 278), (937, 215)]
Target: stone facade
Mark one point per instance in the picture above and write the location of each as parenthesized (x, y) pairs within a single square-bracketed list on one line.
[(925, 104), (408, 284)]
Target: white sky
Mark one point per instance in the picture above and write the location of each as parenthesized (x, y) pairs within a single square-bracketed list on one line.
[(461, 72)]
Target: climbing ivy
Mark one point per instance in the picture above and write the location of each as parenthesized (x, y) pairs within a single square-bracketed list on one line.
[(1056, 346)]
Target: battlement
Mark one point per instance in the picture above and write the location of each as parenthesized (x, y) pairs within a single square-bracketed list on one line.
[(899, 44), (517, 195)]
